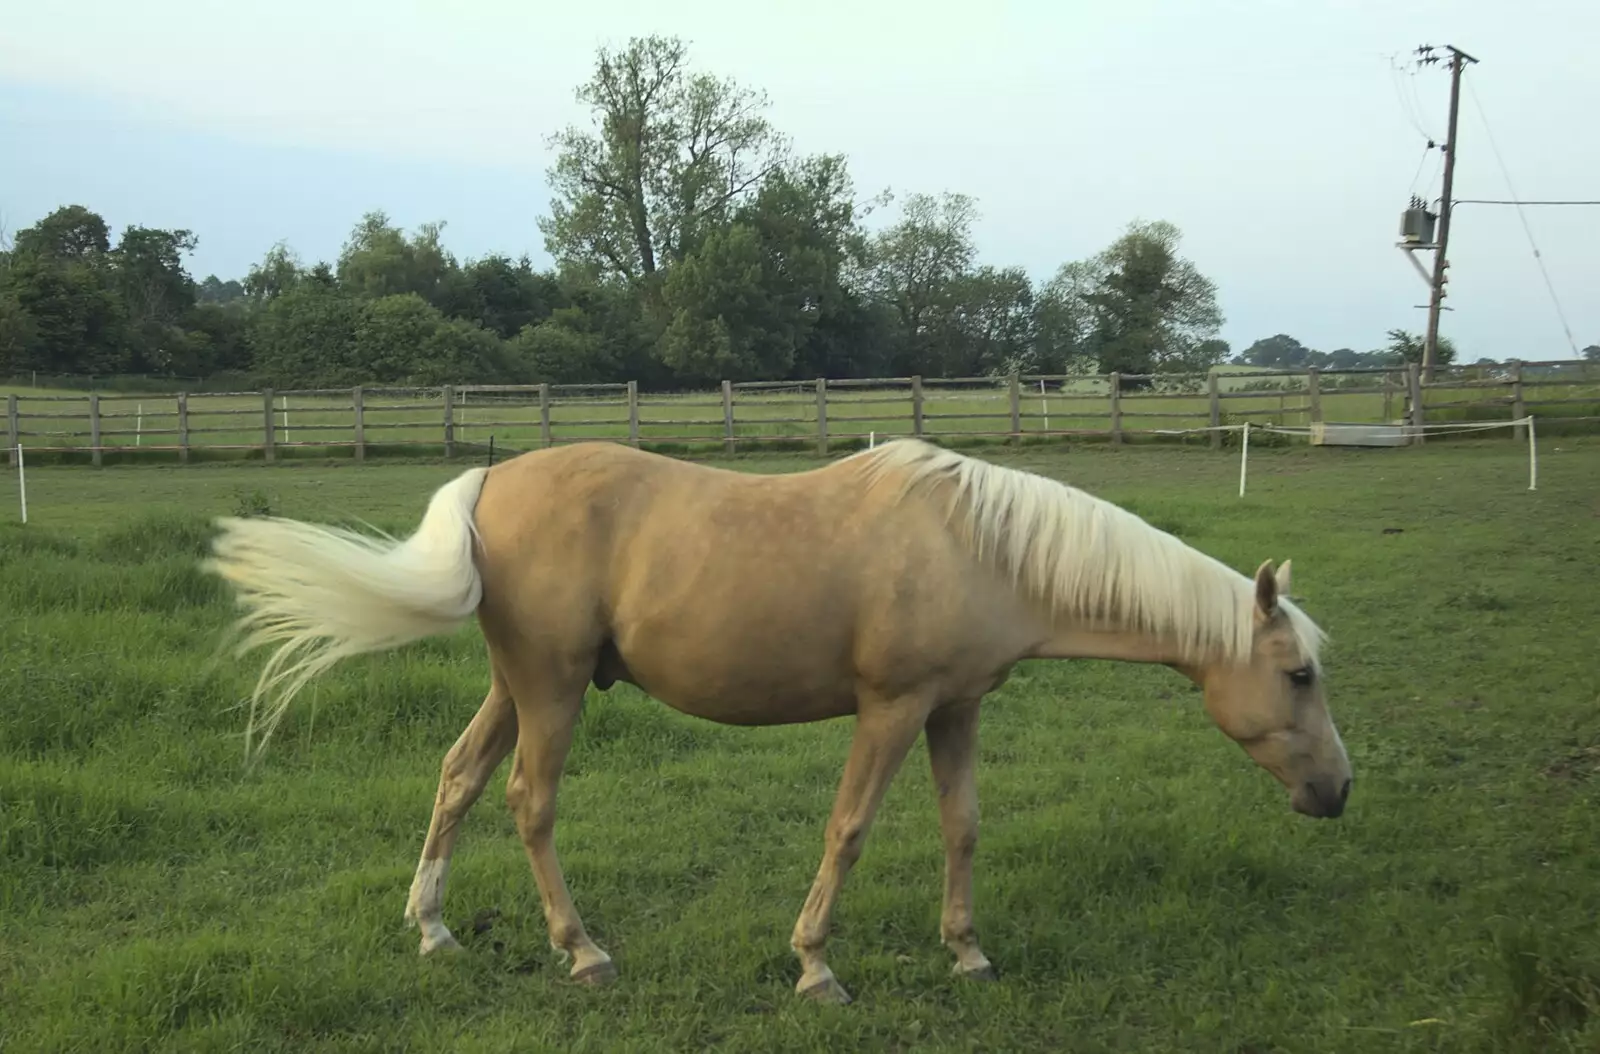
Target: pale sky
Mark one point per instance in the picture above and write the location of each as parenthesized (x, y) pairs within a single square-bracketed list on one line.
[(1274, 134)]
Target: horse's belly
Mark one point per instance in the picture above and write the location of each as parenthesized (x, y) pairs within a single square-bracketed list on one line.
[(756, 673)]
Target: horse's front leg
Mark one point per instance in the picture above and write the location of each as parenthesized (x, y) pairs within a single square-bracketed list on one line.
[(884, 733), (953, 754)]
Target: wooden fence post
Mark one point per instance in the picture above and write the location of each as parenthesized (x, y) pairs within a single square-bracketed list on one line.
[(1314, 393), (269, 438), (633, 412), (358, 403), (1518, 409), (449, 420), (727, 417), (1116, 407), (1388, 397), (822, 416), (183, 428), (544, 414), (13, 431), (1214, 396), (916, 405), (94, 430), (1016, 407), (1414, 389)]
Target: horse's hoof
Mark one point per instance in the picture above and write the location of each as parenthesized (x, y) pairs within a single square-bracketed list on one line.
[(597, 974), (982, 973), (446, 945), (827, 990)]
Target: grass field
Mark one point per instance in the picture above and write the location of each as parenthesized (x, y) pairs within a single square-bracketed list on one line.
[(1141, 885), (230, 425)]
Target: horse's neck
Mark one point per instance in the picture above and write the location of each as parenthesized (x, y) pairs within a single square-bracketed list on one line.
[(1072, 642)]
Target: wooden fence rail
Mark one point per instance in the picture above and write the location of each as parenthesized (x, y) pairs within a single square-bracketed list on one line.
[(822, 414)]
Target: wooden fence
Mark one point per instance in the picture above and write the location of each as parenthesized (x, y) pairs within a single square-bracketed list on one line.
[(820, 415)]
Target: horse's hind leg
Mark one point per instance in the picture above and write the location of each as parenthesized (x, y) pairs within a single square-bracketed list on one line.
[(488, 738)]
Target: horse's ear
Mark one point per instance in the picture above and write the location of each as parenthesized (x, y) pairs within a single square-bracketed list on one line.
[(1266, 590), (1282, 575)]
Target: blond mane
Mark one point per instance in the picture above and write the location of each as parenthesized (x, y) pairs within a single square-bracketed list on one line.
[(1088, 560)]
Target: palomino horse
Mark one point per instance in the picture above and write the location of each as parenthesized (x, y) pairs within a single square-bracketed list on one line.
[(899, 584)]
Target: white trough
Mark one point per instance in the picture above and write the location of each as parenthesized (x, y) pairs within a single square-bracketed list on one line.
[(1330, 434)]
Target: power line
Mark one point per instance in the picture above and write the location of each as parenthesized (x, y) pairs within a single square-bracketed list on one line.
[(1421, 161), (1537, 255), (1410, 107), (1519, 204)]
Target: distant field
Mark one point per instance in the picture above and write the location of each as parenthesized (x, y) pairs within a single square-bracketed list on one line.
[(1141, 885)]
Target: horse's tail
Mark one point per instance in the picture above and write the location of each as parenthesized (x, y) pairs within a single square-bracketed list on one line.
[(325, 593)]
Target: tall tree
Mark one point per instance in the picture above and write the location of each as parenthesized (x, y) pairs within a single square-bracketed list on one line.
[(747, 301), (500, 295), (1278, 351), (68, 316), (1148, 309), (672, 154), (71, 232), (917, 265), (277, 273), (215, 291), (1063, 321), (994, 323), (1405, 346), (378, 260)]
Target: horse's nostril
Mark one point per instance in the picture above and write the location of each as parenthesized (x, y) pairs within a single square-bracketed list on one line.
[(1344, 792)]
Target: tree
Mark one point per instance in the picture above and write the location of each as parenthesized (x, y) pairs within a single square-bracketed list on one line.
[(672, 155), (1592, 353), (993, 329), (218, 337), (68, 316), (1406, 347), (1145, 308), (499, 295), (157, 294), (916, 264), (567, 348), (71, 232), (746, 303), (1280, 351), (18, 334), (378, 260), (1063, 320), (724, 322), (306, 335), (277, 273), (149, 265), (215, 291)]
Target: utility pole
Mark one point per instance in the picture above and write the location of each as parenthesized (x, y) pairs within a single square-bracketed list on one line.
[(1430, 346)]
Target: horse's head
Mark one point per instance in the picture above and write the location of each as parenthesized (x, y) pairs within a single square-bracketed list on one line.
[(1273, 706)]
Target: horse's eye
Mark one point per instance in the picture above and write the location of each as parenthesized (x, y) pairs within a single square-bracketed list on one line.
[(1302, 677)]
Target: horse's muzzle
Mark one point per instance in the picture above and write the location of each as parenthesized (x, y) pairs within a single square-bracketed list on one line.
[(1321, 799)]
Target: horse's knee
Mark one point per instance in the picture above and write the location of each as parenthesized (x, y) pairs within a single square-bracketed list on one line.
[(534, 812), (846, 841), (962, 839)]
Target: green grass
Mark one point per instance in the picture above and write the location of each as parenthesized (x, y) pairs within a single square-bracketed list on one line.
[(1141, 885)]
